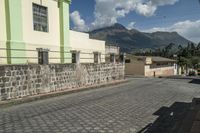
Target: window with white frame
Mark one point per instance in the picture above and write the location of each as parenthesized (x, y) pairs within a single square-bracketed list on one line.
[(97, 57), (40, 18)]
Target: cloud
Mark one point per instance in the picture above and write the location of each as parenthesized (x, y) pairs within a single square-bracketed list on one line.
[(107, 12), (131, 25), (146, 9), (163, 2), (79, 23), (188, 29)]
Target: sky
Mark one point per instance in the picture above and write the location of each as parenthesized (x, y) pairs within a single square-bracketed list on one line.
[(182, 16)]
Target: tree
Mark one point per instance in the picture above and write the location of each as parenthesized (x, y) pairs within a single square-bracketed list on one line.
[(195, 61), (180, 47), (186, 53), (198, 46), (198, 50), (192, 49)]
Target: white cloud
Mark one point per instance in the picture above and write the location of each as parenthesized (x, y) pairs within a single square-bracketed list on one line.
[(131, 25), (188, 29), (146, 9), (107, 12), (163, 2), (79, 23)]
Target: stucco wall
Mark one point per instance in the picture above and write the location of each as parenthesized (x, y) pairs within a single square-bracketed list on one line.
[(142, 67), (162, 71), (2, 33), (37, 39), (112, 50), (134, 68), (81, 42), (2, 22), (175, 69), (18, 81)]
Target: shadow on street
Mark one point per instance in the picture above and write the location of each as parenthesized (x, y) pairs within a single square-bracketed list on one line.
[(178, 118), (195, 81)]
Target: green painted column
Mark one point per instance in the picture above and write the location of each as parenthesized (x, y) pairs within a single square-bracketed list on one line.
[(64, 31), (14, 29)]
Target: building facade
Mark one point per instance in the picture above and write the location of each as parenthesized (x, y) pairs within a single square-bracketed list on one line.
[(150, 66), (31, 28), (88, 50), (28, 25), (112, 53)]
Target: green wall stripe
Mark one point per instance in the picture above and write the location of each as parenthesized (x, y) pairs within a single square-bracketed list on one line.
[(14, 31), (61, 32), (64, 29), (7, 13)]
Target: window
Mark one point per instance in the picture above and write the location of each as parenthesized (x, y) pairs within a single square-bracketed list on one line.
[(127, 61), (97, 57), (121, 58), (43, 56), (112, 58), (73, 57), (40, 18)]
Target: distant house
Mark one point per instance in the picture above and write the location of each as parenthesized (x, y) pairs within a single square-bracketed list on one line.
[(150, 66), (112, 53)]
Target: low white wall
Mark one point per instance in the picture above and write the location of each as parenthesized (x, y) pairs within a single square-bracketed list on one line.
[(162, 71), (175, 69)]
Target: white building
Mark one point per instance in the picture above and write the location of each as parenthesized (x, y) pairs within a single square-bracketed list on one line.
[(28, 27), (89, 50)]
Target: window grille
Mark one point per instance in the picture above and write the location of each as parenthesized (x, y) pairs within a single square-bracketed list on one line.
[(43, 56), (74, 58), (40, 18)]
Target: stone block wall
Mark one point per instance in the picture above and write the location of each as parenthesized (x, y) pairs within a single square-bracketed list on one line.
[(17, 81)]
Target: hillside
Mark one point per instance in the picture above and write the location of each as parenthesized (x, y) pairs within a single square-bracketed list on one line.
[(130, 40)]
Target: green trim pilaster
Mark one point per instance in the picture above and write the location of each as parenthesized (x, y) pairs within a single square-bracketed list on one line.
[(64, 30), (14, 30)]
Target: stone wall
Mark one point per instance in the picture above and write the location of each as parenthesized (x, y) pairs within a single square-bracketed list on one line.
[(18, 81)]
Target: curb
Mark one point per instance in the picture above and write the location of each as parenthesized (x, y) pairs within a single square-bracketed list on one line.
[(181, 77), (28, 99)]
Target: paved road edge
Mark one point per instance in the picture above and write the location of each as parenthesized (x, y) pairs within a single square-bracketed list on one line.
[(8, 103)]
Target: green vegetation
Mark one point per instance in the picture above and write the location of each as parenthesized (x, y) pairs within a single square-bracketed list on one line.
[(186, 56)]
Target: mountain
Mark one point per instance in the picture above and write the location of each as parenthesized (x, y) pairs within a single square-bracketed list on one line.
[(129, 40)]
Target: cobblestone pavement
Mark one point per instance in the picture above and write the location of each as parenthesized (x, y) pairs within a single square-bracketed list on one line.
[(125, 108)]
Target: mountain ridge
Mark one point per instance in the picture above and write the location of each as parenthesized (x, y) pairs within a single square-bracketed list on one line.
[(129, 40)]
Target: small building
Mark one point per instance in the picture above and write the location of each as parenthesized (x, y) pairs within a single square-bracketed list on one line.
[(87, 50), (112, 53), (150, 66)]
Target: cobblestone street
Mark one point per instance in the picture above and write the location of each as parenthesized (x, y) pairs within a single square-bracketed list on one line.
[(125, 108)]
